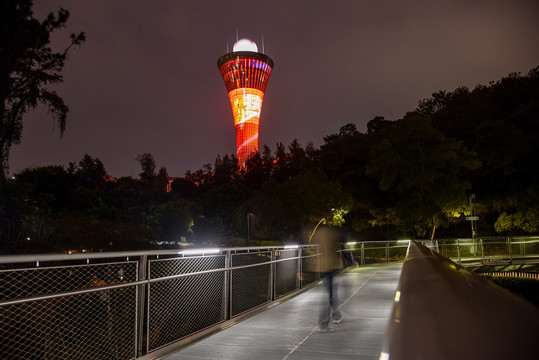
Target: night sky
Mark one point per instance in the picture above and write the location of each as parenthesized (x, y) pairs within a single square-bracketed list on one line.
[(146, 80)]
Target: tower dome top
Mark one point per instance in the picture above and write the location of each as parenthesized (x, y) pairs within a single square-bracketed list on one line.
[(245, 45)]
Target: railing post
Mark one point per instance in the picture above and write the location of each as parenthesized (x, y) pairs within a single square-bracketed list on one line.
[(387, 251), (299, 268), (482, 251), (458, 252), (318, 265), (510, 250), (273, 274), (228, 285), (142, 305), (362, 253)]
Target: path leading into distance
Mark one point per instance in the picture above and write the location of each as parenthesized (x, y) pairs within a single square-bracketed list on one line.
[(289, 331)]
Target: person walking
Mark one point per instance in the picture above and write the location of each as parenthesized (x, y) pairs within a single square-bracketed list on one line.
[(327, 237)]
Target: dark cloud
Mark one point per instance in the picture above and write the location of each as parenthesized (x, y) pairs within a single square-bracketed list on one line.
[(146, 80)]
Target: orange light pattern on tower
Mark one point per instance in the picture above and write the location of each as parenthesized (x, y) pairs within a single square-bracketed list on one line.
[(246, 75), (246, 106)]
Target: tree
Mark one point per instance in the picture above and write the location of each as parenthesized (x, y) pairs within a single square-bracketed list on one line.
[(526, 220), (379, 126), (297, 158), (421, 172), (500, 123), (226, 169), (147, 165), (161, 179), (171, 220), (91, 172), (28, 66), (344, 155), (254, 173), (184, 188), (31, 203), (280, 172), (291, 209)]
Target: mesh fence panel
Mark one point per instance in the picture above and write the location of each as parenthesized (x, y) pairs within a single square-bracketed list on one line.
[(96, 325), (24, 283), (102, 324), (183, 306), (309, 265), (448, 249), (250, 287), (375, 253), (495, 248), (184, 265), (529, 248), (286, 272)]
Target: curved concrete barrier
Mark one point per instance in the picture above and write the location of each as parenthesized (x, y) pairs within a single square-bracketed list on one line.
[(442, 311)]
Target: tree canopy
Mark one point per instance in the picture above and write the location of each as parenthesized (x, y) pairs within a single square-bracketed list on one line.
[(421, 173), (28, 68)]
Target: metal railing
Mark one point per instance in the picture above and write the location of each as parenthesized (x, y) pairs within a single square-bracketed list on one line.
[(480, 250), (128, 305), (134, 304)]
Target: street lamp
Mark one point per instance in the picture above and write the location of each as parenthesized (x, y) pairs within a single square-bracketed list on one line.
[(249, 228), (322, 219), (473, 218), (316, 227)]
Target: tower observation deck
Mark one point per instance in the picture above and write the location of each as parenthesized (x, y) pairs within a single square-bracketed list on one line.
[(245, 72)]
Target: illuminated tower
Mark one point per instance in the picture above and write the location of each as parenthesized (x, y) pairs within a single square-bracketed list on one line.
[(246, 73)]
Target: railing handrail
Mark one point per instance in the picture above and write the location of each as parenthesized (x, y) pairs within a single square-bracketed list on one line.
[(30, 258), (38, 258)]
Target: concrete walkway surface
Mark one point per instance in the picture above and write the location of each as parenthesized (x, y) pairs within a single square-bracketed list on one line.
[(289, 330)]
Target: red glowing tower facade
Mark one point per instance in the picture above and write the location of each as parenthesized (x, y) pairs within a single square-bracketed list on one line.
[(246, 73)]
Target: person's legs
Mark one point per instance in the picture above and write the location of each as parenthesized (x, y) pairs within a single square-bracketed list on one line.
[(334, 301), (324, 315)]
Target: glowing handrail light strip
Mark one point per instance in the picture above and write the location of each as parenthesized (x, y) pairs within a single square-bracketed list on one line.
[(199, 251)]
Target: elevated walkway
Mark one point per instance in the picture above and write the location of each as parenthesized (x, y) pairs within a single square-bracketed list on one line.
[(289, 330)]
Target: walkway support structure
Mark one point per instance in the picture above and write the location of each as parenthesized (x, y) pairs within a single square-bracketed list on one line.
[(442, 311)]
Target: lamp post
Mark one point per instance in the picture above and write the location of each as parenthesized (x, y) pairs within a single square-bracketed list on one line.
[(472, 216), (319, 222), (316, 227), (249, 228), (473, 221)]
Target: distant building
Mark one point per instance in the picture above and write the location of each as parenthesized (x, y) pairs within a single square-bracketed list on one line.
[(246, 73), (109, 178)]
